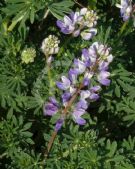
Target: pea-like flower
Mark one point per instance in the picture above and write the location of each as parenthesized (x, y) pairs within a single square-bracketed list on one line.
[(125, 9), (65, 84), (79, 23), (69, 24), (51, 107), (103, 78), (50, 45), (59, 124), (77, 116)]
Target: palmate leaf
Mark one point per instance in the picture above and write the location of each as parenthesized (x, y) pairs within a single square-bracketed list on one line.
[(36, 102), (60, 9), (21, 11)]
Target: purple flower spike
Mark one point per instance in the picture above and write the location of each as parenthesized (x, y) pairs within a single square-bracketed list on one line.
[(65, 84), (77, 116), (103, 78), (59, 124), (51, 107)]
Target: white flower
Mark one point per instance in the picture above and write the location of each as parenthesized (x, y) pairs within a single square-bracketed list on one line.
[(50, 45)]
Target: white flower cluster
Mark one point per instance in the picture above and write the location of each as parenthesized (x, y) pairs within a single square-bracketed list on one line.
[(28, 55), (50, 45)]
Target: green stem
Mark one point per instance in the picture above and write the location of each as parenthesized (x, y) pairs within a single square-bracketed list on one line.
[(49, 76)]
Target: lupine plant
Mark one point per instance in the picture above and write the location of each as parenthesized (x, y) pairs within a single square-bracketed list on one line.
[(67, 84)]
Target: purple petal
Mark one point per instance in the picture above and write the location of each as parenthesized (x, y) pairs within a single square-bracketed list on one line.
[(105, 82), (59, 124), (77, 116), (60, 24), (88, 34), (85, 94), (78, 112), (73, 75), (103, 75), (66, 97), (82, 104), (95, 88), (60, 85), (67, 20), (94, 96), (50, 109), (80, 121), (80, 66), (54, 101), (86, 81), (103, 66), (65, 84), (85, 53)]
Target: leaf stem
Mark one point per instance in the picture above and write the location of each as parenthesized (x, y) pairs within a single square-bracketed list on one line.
[(123, 27), (79, 4)]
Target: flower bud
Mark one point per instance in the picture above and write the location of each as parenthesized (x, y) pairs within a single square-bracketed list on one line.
[(50, 45), (28, 55)]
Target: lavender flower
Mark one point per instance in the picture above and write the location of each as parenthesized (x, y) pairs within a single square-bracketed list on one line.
[(93, 93), (79, 66), (103, 78), (68, 26), (59, 124), (73, 75), (66, 97), (51, 107), (65, 84), (125, 9), (77, 116), (77, 23)]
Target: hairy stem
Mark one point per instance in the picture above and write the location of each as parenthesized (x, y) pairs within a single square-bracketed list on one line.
[(64, 112)]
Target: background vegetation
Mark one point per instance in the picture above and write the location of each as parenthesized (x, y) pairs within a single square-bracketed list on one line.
[(107, 141)]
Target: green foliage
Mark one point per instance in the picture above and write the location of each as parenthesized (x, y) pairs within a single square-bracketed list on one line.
[(107, 140), (61, 8)]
